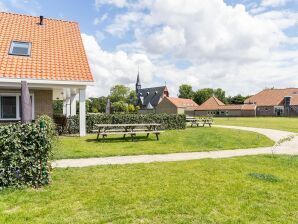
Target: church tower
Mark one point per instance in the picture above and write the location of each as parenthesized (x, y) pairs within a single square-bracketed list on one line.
[(138, 84)]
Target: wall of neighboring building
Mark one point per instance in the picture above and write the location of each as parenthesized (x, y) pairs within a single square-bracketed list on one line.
[(190, 113), (265, 111), (294, 111), (200, 113), (43, 102), (219, 113), (248, 113), (166, 106)]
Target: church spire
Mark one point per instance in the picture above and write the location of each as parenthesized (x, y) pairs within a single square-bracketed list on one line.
[(138, 84)]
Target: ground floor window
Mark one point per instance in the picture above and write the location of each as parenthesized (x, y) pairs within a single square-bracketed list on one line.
[(279, 110), (10, 106)]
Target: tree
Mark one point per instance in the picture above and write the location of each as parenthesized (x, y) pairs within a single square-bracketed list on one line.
[(102, 103), (238, 99), (201, 95), (220, 94), (119, 93), (185, 91), (120, 106), (94, 105), (58, 106), (132, 97)]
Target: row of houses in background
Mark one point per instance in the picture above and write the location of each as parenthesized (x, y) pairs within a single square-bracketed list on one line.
[(269, 102)]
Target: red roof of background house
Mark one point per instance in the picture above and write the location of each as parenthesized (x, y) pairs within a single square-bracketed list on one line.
[(249, 107), (188, 104), (57, 51), (274, 97), (211, 104), (215, 104)]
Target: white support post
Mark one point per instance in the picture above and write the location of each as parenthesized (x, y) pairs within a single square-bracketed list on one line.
[(67, 107), (73, 105), (64, 107), (82, 96)]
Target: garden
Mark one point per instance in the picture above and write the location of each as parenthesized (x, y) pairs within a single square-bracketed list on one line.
[(243, 190)]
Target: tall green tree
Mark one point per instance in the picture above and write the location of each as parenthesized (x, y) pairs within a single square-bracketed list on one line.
[(102, 102), (220, 94), (185, 91), (201, 95), (238, 99), (119, 93)]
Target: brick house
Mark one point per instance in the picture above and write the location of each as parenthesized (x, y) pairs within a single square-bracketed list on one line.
[(174, 105), (276, 102), (49, 55), (214, 107)]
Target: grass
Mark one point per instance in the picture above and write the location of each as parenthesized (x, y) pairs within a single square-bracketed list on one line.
[(202, 191), (278, 123), (189, 140)]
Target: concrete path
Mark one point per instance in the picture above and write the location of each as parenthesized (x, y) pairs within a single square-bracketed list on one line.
[(287, 147)]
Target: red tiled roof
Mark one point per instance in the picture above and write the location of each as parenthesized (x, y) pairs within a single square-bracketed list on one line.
[(211, 104), (249, 107), (188, 104), (274, 97), (215, 104), (57, 51)]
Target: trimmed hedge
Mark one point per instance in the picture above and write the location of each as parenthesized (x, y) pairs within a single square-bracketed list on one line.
[(167, 121), (24, 155)]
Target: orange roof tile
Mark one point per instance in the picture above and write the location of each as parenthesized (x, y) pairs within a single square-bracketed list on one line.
[(249, 107), (215, 104), (211, 104), (274, 97), (188, 104), (57, 51)]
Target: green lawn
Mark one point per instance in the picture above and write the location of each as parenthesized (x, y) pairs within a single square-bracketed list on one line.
[(256, 189), (188, 140), (279, 123)]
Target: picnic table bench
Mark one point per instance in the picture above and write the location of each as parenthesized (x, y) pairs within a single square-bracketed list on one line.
[(199, 121), (105, 130)]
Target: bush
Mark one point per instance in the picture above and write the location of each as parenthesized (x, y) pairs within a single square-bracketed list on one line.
[(167, 121), (50, 125), (24, 155)]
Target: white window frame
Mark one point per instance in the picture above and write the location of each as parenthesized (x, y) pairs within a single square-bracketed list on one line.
[(24, 42), (18, 116)]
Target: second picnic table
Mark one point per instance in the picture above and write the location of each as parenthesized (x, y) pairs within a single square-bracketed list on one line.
[(126, 129)]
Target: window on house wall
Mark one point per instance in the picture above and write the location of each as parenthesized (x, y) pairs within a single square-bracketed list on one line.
[(20, 48), (10, 106)]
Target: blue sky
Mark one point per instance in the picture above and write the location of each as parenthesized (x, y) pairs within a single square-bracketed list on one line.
[(213, 44)]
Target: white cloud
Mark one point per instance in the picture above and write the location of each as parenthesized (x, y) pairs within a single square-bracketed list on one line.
[(113, 68), (228, 47), (123, 23)]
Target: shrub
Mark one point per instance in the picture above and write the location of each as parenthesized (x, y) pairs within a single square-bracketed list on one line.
[(24, 155), (167, 121), (50, 125)]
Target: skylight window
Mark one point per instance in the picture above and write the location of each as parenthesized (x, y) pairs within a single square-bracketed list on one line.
[(20, 48)]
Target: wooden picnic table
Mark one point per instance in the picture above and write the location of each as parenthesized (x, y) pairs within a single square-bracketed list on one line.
[(127, 129), (197, 121)]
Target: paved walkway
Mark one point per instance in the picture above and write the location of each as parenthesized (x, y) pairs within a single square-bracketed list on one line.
[(287, 147)]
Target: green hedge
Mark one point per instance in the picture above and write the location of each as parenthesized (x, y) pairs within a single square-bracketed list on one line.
[(24, 155), (167, 121)]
